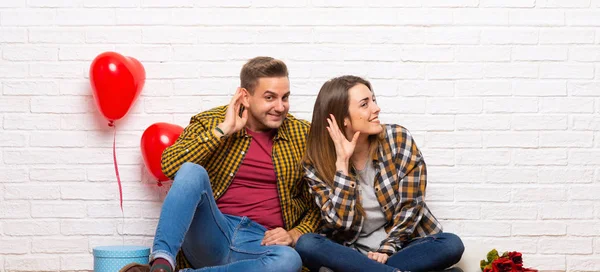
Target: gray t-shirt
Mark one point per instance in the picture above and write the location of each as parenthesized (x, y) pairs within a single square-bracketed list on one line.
[(373, 231)]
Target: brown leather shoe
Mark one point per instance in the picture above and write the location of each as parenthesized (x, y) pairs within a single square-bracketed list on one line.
[(135, 267)]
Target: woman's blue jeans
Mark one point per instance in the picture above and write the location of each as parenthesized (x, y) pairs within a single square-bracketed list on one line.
[(435, 252), (211, 240)]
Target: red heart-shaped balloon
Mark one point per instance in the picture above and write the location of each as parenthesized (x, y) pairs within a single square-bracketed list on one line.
[(156, 138), (116, 83)]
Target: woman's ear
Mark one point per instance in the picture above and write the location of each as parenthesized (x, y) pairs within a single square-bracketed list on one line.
[(347, 129)]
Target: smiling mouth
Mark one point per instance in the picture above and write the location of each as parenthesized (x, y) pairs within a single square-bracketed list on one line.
[(376, 119)]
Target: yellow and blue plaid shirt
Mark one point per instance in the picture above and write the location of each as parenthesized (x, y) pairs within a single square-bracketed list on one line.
[(222, 158), (400, 181)]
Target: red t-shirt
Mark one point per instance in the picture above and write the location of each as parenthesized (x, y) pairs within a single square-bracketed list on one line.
[(253, 191)]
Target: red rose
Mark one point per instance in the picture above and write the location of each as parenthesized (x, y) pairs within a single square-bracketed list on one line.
[(516, 257), (503, 265)]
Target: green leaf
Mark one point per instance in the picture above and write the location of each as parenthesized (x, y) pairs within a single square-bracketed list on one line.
[(492, 255), (482, 264)]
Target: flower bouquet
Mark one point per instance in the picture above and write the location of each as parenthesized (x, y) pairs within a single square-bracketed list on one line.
[(507, 262)]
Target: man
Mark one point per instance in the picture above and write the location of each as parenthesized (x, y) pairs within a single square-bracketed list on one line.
[(238, 201)]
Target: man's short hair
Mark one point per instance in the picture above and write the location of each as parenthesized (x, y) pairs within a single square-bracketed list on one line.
[(259, 67)]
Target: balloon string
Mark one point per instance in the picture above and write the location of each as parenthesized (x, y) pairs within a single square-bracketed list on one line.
[(122, 227), (115, 163)]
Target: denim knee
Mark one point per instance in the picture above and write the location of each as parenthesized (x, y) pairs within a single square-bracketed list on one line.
[(285, 259), (191, 178), (454, 246), (309, 244)]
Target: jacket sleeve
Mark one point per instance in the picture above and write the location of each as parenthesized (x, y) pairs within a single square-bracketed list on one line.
[(312, 219), (195, 144), (337, 203), (413, 180)]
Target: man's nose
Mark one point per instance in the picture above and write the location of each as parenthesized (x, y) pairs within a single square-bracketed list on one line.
[(280, 106)]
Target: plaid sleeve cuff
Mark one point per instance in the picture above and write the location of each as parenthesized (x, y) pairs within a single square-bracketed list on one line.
[(303, 229), (209, 138), (388, 248), (344, 182)]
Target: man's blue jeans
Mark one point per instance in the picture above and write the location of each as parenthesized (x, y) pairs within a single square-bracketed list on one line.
[(214, 241), (435, 252)]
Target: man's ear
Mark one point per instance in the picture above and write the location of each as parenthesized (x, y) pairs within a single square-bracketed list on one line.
[(245, 95)]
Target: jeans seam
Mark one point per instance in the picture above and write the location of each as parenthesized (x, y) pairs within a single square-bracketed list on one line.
[(245, 220), (212, 211), (237, 228), (249, 252)]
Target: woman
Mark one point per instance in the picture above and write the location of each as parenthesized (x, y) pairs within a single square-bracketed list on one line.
[(369, 180)]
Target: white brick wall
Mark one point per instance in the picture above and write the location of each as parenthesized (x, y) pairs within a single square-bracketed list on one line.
[(503, 97)]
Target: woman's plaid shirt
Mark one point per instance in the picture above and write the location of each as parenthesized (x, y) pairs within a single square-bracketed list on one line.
[(222, 158), (400, 181)]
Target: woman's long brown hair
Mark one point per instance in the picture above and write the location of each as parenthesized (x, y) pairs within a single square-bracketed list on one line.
[(333, 98)]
